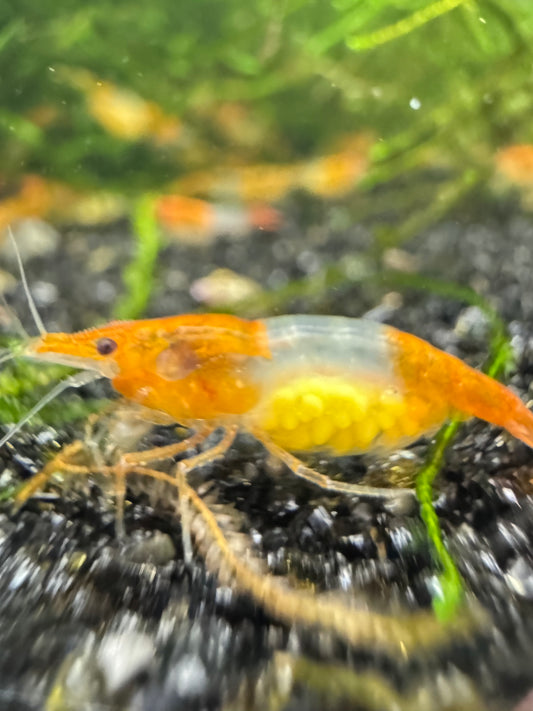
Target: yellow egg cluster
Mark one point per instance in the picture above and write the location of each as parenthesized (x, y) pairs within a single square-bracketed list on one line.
[(338, 414)]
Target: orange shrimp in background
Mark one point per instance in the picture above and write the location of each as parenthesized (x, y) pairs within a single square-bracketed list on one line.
[(50, 200), (34, 198), (297, 383), (122, 112), (199, 221), (330, 175), (516, 163), (186, 219), (514, 166)]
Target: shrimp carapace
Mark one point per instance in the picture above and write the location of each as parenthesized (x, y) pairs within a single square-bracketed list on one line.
[(191, 367), (306, 382)]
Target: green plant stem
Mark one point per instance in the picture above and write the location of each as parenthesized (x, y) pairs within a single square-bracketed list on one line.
[(447, 602), (139, 274), (404, 26)]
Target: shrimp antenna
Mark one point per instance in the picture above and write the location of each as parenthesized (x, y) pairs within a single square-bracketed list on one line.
[(74, 381), (31, 303)]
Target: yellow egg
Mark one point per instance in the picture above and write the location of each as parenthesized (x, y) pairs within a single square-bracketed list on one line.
[(394, 435), (411, 427), (282, 401), (321, 430), (300, 439), (364, 433), (310, 406), (342, 442), (341, 416), (386, 418), (289, 420), (359, 404)]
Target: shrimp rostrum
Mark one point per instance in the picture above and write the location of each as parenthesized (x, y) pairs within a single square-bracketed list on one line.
[(299, 384)]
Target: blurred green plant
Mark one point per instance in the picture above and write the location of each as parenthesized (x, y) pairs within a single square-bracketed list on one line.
[(139, 274), (438, 83), (23, 383), (404, 26)]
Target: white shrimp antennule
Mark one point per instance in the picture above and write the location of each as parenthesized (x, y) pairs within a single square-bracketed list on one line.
[(74, 381), (31, 303)]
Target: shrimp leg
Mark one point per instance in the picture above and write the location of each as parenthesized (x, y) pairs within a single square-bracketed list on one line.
[(40, 480), (403, 497), (133, 461), (182, 469), (130, 462)]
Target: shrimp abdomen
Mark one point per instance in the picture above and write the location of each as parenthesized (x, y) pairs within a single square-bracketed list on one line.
[(449, 383), (348, 385), (331, 385)]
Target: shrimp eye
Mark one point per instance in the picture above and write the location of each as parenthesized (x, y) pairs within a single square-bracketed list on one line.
[(106, 346)]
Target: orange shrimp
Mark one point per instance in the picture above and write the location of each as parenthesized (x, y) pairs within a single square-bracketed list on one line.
[(297, 383), (199, 221), (328, 175)]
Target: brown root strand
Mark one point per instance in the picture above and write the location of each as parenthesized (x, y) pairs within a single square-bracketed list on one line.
[(414, 633)]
